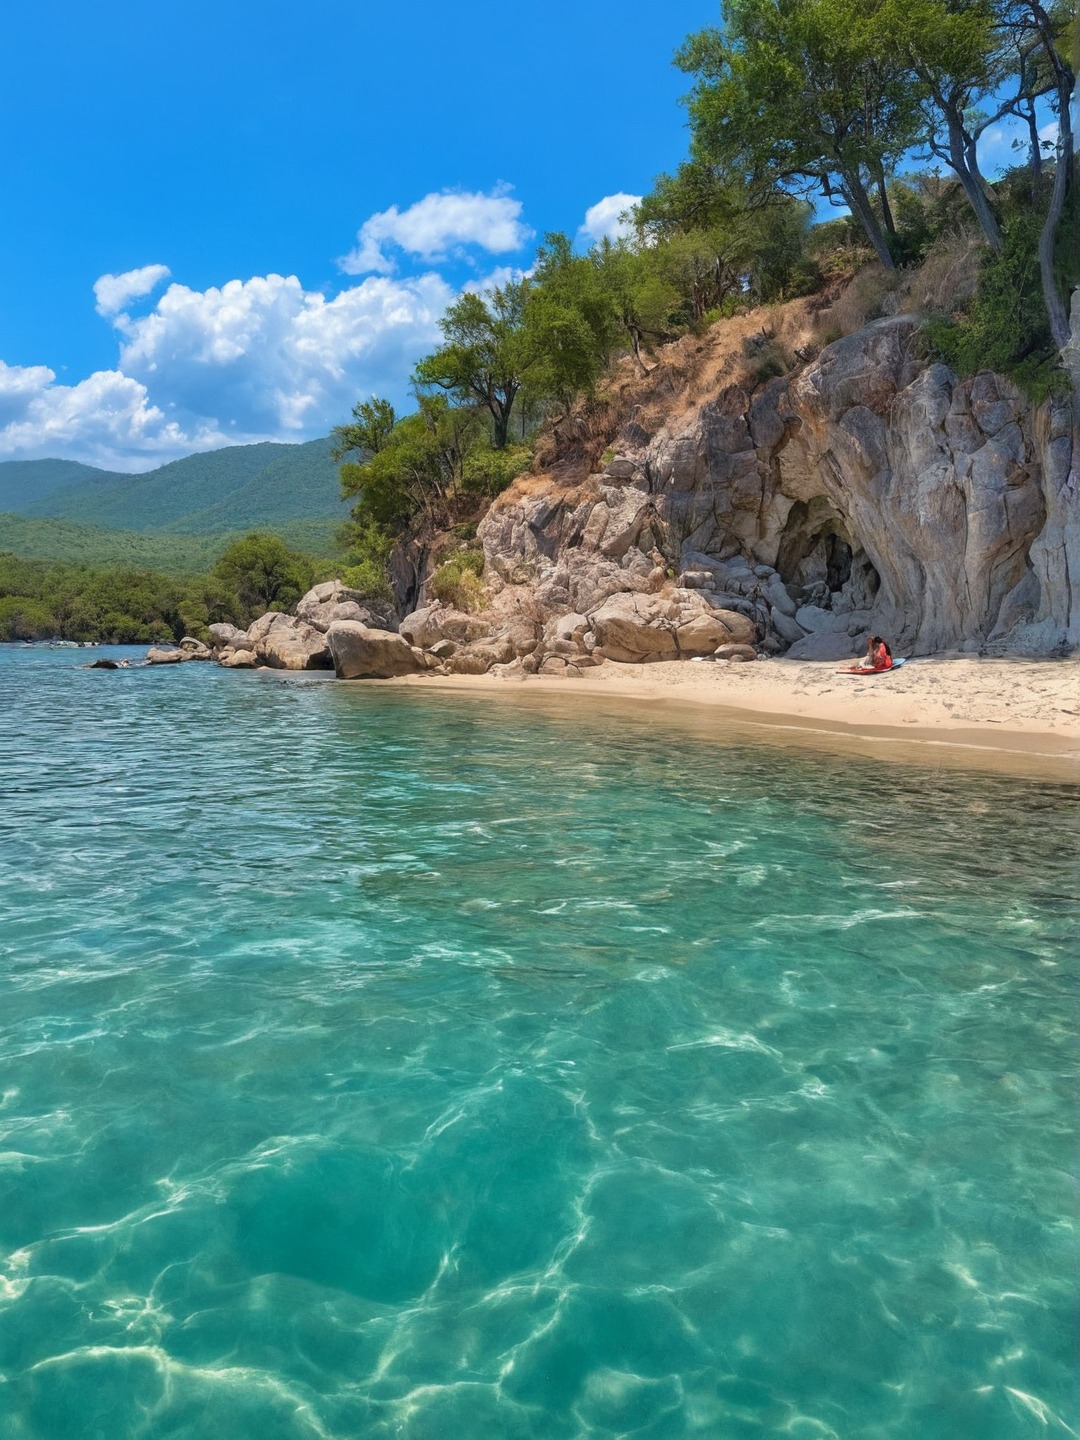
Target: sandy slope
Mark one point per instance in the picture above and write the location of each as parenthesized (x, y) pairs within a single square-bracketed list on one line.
[(1022, 708)]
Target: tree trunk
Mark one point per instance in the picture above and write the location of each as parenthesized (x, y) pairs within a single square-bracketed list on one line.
[(854, 192), (1052, 298), (886, 208), (635, 341), (965, 166)]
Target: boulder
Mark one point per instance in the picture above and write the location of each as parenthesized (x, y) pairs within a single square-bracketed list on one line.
[(228, 636), (157, 656), (431, 623), (636, 629), (736, 652), (332, 600), (292, 644), (362, 653), (702, 634), (479, 658), (103, 665), (195, 648), (239, 659)]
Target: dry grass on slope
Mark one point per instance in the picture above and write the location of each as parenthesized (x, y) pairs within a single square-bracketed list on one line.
[(747, 350)]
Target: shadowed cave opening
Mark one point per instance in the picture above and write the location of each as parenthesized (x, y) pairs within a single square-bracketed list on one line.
[(819, 561)]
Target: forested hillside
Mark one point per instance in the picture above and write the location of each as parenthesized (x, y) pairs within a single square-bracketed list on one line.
[(233, 489)]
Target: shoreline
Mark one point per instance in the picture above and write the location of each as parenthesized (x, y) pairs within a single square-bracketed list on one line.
[(1005, 715)]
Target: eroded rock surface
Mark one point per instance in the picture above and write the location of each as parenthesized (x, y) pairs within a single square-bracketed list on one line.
[(360, 652), (870, 491)]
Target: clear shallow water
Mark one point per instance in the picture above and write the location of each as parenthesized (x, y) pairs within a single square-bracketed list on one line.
[(396, 1065)]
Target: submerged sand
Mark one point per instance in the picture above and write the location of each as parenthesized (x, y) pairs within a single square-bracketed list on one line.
[(1009, 712)]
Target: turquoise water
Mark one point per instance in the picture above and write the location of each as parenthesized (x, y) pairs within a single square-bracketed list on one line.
[(406, 1065)]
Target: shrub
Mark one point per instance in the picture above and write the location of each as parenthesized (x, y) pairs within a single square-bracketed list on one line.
[(1004, 327), (488, 472), (369, 577), (457, 581)]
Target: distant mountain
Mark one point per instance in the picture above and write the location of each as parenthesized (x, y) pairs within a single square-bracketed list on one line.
[(240, 488), (33, 538), (25, 481)]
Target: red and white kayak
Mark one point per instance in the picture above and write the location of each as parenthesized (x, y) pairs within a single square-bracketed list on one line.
[(877, 670)]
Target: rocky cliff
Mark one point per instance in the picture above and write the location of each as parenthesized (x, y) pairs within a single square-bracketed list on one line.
[(868, 491)]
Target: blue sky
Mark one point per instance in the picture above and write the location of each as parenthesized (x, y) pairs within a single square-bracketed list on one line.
[(231, 154), (227, 222)]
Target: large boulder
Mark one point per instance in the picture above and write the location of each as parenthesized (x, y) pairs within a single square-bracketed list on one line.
[(361, 653), (157, 656), (292, 644), (228, 637), (239, 659), (477, 659), (636, 628), (431, 623), (332, 600), (680, 624)]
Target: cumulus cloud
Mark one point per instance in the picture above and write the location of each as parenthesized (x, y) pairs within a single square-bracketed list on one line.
[(114, 292), (605, 219), (276, 358), (249, 360), (104, 418), (436, 226)]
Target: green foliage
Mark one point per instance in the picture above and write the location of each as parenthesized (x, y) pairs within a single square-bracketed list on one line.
[(489, 472), (457, 582), (372, 425), (263, 574), (369, 577), (242, 486), (40, 601), (484, 358), (1005, 328)]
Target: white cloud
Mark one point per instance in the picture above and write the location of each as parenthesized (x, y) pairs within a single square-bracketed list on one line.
[(605, 219), (277, 359), (250, 360), (113, 292), (437, 225), (104, 418)]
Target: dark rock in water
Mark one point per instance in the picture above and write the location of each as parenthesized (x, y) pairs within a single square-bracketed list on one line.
[(103, 665)]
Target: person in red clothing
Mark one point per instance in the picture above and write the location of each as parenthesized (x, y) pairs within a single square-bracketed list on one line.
[(878, 655)]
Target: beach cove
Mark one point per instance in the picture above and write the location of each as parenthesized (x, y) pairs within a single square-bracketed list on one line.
[(1010, 714)]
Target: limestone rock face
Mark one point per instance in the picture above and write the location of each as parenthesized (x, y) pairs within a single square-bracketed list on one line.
[(287, 643), (869, 492), (360, 652)]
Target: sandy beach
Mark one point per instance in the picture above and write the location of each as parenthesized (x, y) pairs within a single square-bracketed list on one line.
[(1007, 713)]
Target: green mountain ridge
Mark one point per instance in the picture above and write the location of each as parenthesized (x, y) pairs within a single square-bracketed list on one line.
[(238, 488)]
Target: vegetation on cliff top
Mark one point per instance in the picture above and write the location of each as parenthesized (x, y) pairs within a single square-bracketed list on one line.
[(793, 101)]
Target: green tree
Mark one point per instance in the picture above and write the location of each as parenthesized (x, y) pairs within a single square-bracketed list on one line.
[(263, 573), (483, 360), (805, 93), (369, 431)]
